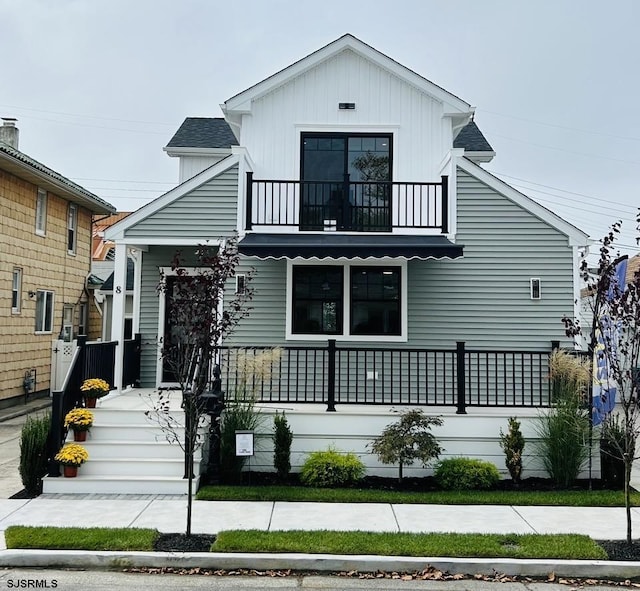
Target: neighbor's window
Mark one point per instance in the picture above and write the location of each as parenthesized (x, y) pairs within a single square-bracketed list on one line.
[(72, 228), (375, 301), (317, 300), (16, 291), (44, 311), (41, 212)]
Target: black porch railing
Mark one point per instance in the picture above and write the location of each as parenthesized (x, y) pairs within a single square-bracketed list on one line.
[(90, 360), (362, 206), (334, 375)]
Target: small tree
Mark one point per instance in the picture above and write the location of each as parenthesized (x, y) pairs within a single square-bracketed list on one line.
[(282, 439), (615, 348), (407, 440), (512, 443), (200, 320)]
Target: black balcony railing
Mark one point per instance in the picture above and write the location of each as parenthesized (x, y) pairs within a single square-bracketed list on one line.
[(333, 375), (363, 206)]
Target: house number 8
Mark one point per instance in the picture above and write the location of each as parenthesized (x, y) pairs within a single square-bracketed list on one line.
[(118, 289)]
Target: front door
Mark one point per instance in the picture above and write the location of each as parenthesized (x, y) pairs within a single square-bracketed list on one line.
[(345, 182)]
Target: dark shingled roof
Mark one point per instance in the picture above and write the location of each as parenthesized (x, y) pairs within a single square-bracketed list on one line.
[(108, 282), (203, 132), (471, 139)]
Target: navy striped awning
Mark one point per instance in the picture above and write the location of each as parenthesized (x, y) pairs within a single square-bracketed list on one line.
[(332, 245)]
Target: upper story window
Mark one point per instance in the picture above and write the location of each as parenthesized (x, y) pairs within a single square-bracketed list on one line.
[(72, 228), (41, 212), (346, 180), (16, 291), (44, 311)]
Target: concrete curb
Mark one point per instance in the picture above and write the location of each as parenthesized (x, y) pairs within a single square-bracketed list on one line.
[(13, 413), (596, 569)]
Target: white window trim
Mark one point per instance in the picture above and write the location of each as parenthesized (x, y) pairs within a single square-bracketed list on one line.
[(41, 206), (17, 309), (162, 306), (346, 301), (532, 281), (53, 309), (72, 207)]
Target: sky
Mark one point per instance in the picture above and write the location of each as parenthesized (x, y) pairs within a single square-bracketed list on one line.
[(100, 86)]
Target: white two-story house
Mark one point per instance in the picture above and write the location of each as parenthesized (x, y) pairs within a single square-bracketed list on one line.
[(385, 254)]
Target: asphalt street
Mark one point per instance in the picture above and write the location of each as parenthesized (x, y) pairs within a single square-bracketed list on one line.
[(112, 581)]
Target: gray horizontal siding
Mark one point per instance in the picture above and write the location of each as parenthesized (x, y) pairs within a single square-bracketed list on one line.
[(210, 211), (482, 299)]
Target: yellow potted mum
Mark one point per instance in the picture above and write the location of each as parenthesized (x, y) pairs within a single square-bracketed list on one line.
[(71, 456), (79, 420), (94, 388)]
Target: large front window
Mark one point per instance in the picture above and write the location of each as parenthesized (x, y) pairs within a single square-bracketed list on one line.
[(350, 301), (346, 182), (317, 300), (375, 301)]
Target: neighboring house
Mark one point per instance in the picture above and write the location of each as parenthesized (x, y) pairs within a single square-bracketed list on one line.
[(357, 191), (45, 246), (102, 262), (587, 303)]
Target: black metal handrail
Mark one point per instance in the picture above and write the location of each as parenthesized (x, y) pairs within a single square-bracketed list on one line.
[(345, 205), (333, 375), (90, 360)]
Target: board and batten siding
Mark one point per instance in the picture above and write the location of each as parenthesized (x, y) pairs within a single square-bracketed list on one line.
[(384, 104), (208, 212), (482, 298)]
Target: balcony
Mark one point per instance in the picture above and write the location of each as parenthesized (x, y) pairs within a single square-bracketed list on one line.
[(346, 206)]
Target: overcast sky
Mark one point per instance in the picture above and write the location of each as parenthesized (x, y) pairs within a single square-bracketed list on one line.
[(100, 86)]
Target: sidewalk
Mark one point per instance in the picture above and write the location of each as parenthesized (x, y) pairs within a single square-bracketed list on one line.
[(169, 515)]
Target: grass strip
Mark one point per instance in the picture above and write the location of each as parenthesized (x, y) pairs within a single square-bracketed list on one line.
[(557, 546), (79, 538), (572, 498)]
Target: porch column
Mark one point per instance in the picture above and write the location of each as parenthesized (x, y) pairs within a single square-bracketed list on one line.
[(118, 310), (137, 282)]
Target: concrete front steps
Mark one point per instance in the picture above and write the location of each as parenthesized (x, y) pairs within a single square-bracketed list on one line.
[(128, 454)]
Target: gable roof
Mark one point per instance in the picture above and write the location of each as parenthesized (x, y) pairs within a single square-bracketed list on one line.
[(576, 236), (29, 169), (241, 102), (203, 132), (117, 231)]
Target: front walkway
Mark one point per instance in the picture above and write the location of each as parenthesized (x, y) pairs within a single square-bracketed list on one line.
[(169, 515)]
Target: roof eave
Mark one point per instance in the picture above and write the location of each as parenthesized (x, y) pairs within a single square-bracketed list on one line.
[(40, 178), (177, 151)]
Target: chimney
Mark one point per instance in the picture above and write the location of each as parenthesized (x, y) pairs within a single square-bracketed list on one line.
[(9, 132)]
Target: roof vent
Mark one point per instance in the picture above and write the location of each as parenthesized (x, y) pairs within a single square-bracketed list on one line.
[(9, 132)]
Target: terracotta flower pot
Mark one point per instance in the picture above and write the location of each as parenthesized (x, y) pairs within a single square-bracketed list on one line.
[(90, 402), (79, 435), (70, 471)]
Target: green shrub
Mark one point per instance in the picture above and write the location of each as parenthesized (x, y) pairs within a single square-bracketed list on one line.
[(331, 468), (282, 438), (512, 443), (466, 474), (237, 416), (33, 452)]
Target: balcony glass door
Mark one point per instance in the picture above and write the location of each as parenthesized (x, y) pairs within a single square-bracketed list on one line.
[(346, 182)]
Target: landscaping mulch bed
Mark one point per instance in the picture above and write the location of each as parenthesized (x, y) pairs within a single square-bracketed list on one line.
[(183, 543), (620, 550)]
